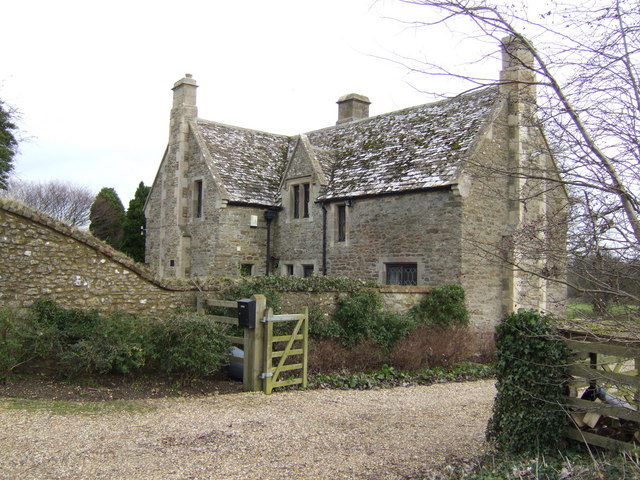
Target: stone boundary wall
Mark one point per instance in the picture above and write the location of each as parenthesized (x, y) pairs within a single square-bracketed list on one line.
[(41, 257)]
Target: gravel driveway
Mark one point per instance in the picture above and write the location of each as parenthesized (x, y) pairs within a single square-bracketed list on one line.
[(318, 434)]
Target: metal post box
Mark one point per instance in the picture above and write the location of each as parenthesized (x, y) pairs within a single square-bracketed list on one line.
[(247, 313)]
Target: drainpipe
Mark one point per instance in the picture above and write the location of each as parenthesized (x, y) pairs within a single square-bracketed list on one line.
[(324, 239), (269, 216)]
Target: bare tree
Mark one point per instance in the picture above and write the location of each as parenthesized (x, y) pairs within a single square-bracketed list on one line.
[(61, 200), (585, 70)]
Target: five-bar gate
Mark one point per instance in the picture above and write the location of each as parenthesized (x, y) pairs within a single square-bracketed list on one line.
[(275, 346)]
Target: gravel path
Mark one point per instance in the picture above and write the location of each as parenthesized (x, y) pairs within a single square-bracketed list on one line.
[(319, 434)]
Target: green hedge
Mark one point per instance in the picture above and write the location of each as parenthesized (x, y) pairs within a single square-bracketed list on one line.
[(79, 342), (528, 417)]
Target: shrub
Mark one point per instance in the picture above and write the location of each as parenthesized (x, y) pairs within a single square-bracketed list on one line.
[(432, 346), (14, 339), (189, 345), (527, 413), (361, 317), (443, 306), (117, 343)]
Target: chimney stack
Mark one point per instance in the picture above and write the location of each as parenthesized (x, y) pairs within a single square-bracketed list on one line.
[(184, 96), (518, 68), (352, 107)]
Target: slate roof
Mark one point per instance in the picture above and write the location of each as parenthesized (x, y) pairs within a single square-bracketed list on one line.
[(250, 163), (412, 149)]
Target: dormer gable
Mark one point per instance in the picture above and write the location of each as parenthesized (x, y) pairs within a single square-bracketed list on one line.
[(303, 163)]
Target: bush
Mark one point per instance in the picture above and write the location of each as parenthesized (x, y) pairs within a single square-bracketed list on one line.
[(443, 306), (189, 345), (360, 317), (14, 337), (527, 414), (23, 339), (114, 344)]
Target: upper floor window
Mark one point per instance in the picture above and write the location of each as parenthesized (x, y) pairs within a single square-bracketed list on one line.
[(402, 273), (296, 201), (305, 200), (300, 200), (342, 223), (197, 199)]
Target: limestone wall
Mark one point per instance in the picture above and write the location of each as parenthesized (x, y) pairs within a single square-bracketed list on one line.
[(40, 257)]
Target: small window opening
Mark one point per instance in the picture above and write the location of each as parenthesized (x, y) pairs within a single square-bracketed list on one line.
[(402, 274), (342, 223), (307, 271), (307, 197), (198, 198), (246, 270), (296, 201), (289, 270)]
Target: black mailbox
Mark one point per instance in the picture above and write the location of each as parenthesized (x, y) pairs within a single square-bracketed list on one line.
[(247, 313)]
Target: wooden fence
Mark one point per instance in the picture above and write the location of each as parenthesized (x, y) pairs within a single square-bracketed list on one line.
[(604, 398), (257, 342)]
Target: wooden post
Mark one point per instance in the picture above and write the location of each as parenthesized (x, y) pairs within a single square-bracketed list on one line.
[(199, 304), (305, 347), (253, 349)]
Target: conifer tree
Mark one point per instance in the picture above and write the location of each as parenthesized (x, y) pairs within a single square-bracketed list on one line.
[(107, 216), (133, 239)]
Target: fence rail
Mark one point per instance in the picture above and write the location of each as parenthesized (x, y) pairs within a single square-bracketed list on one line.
[(258, 343), (604, 390)]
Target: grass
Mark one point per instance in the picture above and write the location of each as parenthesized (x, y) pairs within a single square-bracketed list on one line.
[(575, 462), (67, 407), (620, 312), (619, 320)]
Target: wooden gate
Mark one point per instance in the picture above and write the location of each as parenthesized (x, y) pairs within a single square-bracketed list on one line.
[(261, 345), (608, 368), (295, 349)]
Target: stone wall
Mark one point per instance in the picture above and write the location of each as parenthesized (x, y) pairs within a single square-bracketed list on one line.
[(44, 258), (421, 228), (41, 257)]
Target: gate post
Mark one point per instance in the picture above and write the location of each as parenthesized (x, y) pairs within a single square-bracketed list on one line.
[(254, 348)]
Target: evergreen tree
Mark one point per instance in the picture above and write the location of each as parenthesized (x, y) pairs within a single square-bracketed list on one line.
[(133, 239), (8, 144), (107, 216)]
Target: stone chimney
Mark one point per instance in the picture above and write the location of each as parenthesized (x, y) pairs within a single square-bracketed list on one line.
[(184, 96), (352, 107), (518, 68)]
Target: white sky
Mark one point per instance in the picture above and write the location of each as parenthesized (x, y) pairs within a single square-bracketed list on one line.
[(92, 80)]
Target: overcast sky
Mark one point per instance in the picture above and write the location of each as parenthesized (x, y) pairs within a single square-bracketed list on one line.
[(92, 80)]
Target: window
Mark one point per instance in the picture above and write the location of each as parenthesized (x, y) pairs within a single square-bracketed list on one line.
[(197, 197), (296, 201), (307, 271), (342, 223), (402, 274), (306, 200), (246, 270), (300, 200), (289, 270)]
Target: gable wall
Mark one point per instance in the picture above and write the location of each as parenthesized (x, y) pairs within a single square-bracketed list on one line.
[(485, 220)]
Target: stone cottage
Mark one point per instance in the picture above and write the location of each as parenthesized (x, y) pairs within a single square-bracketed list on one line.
[(427, 195)]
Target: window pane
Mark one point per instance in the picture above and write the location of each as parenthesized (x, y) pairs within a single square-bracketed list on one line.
[(296, 201), (402, 274), (306, 200), (342, 223), (290, 270), (198, 195), (307, 270)]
